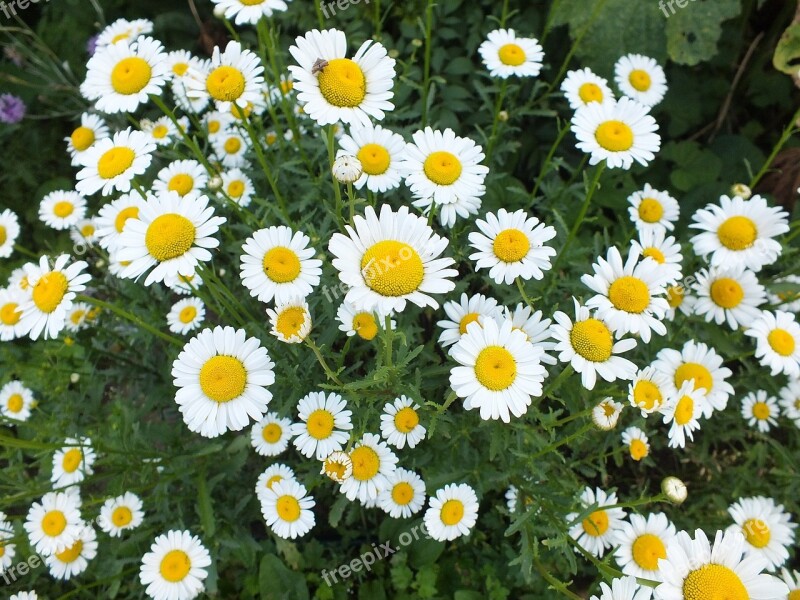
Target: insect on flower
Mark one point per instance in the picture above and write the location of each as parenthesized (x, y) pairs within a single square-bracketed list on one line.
[(319, 66)]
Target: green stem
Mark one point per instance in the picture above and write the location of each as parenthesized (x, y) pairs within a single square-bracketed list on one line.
[(562, 133), (337, 192), (790, 130), (504, 14), (557, 585), (130, 317), (426, 69), (351, 199), (555, 445), (553, 385), (25, 251), (497, 109), (321, 359), (521, 288)]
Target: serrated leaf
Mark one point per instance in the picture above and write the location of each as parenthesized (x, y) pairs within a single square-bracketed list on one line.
[(693, 31)]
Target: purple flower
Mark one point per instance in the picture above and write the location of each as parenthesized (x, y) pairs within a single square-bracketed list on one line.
[(12, 108), (91, 44)]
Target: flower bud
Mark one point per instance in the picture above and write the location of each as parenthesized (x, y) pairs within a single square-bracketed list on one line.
[(741, 190), (346, 169), (674, 489)]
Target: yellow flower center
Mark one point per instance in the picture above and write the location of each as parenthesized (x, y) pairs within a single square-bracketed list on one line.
[(366, 463), (271, 433), (214, 126), (3, 235), (596, 524), (82, 138), (181, 183), (2, 550), (647, 549), (640, 80), (63, 209), (9, 315), (131, 212), (511, 245), (590, 92), (342, 83), (714, 582), (655, 254), (320, 424), (638, 449), (466, 320), (684, 411), (225, 84), (175, 566), (71, 554), (54, 523), (335, 469), (392, 268), (49, 291), (794, 594), (223, 378), (120, 36), (122, 516), (702, 376), (232, 145), (169, 236), (15, 403), (236, 189), (592, 340), (727, 292), (273, 480), (442, 168), (130, 75), (281, 264), (290, 321), (757, 532), (614, 136), (737, 233), (511, 55), (675, 296), (87, 230), (402, 493), (761, 411), (365, 326), (495, 368), (288, 508), (650, 210), (180, 68), (647, 395), (286, 86), (72, 460), (159, 132), (781, 341), (374, 159), (406, 419), (115, 162), (187, 314), (452, 512), (629, 294)]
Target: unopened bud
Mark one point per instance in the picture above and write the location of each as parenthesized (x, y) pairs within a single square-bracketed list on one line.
[(674, 489), (741, 190), (346, 169)]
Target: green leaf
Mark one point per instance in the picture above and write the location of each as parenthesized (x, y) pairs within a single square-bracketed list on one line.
[(693, 31), (787, 52), (276, 582), (204, 507)]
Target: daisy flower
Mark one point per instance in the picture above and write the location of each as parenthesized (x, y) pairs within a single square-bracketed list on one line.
[(175, 567), (469, 309), (120, 514), (452, 512), (270, 436), (400, 423), (84, 233), (62, 209), (16, 401), (788, 300), (111, 163), (380, 152), (113, 216), (8, 550), (683, 411), (534, 327), (11, 300), (53, 290), (161, 131), (78, 317), (588, 345), (9, 231), (186, 315), (739, 232), (24, 596), (183, 284), (290, 320), (583, 87), (500, 370), (249, 12), (73, 560), (648, 390), (389, 259), (54, 523), (792, 579), (121, 76), (323, 426), (760, 411), (286, 507), (172, 234), (73, 462), (767, 528), (333, 88), (642, 543), (636, 442), (695, 568), (596, 532), (346, 169), (231, 147), (789, 401), (679, 299), (728, 294), (122, 29), (179, 62), (279, 264), (272, 475), (444, 170), (363, 323), (373, 461), (628, 295), (623, 588), (605, 415), (619, 132), (337, 466), (640, 78), (238, 187), (222, 378), (651, 209), (505, 54), (777, 337), (404, 494), (83, 137), (665, 250), (233, 77), (217, 123), (512, 245), (181, 176)]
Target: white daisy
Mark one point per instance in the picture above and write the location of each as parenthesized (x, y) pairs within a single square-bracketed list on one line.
[(404, 494), (649, 390), (606, 413), (78, 317), (588, 345), (286, 507), (512, 245), (113, 216), (373, 461), (389, 259), (792, 579), (583, 87), (16, 401), (640, 78), (651, 209), (290, 321), (186, 315), (760, 411), (181, 176), (452, 512), (217, 123), (24, 596), (231, 148), (623, 588), (683, 411), (740, 232), (222, 378), (8, 550), (62, 209), (237, 186), (73, 560), (679, 299), (789, 401), (54, 523), (642, 543), (500, 372), (233, 77), (787, 299), (380, 151), (469, 309), (9, 231), (400, 423), (629, 296), (777, 337), (272, 475), (664, 250), (120, 514), (83, 137), (728, 294), (363, 323), (504, 54), (111, 163), (271, 435), (619, 132), (636, 442), (84, 233), (249, 11), (337, 466), (323, 426), (767, 528), (11, 300), (333, 88), (122, 29), (596, 532), (175, 567), (73, 462), (535, 327), (162, 131), (183, 284)]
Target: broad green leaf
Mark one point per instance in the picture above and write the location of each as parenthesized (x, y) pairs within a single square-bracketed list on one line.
[(787, 53), (693, 31), (277, 582)]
